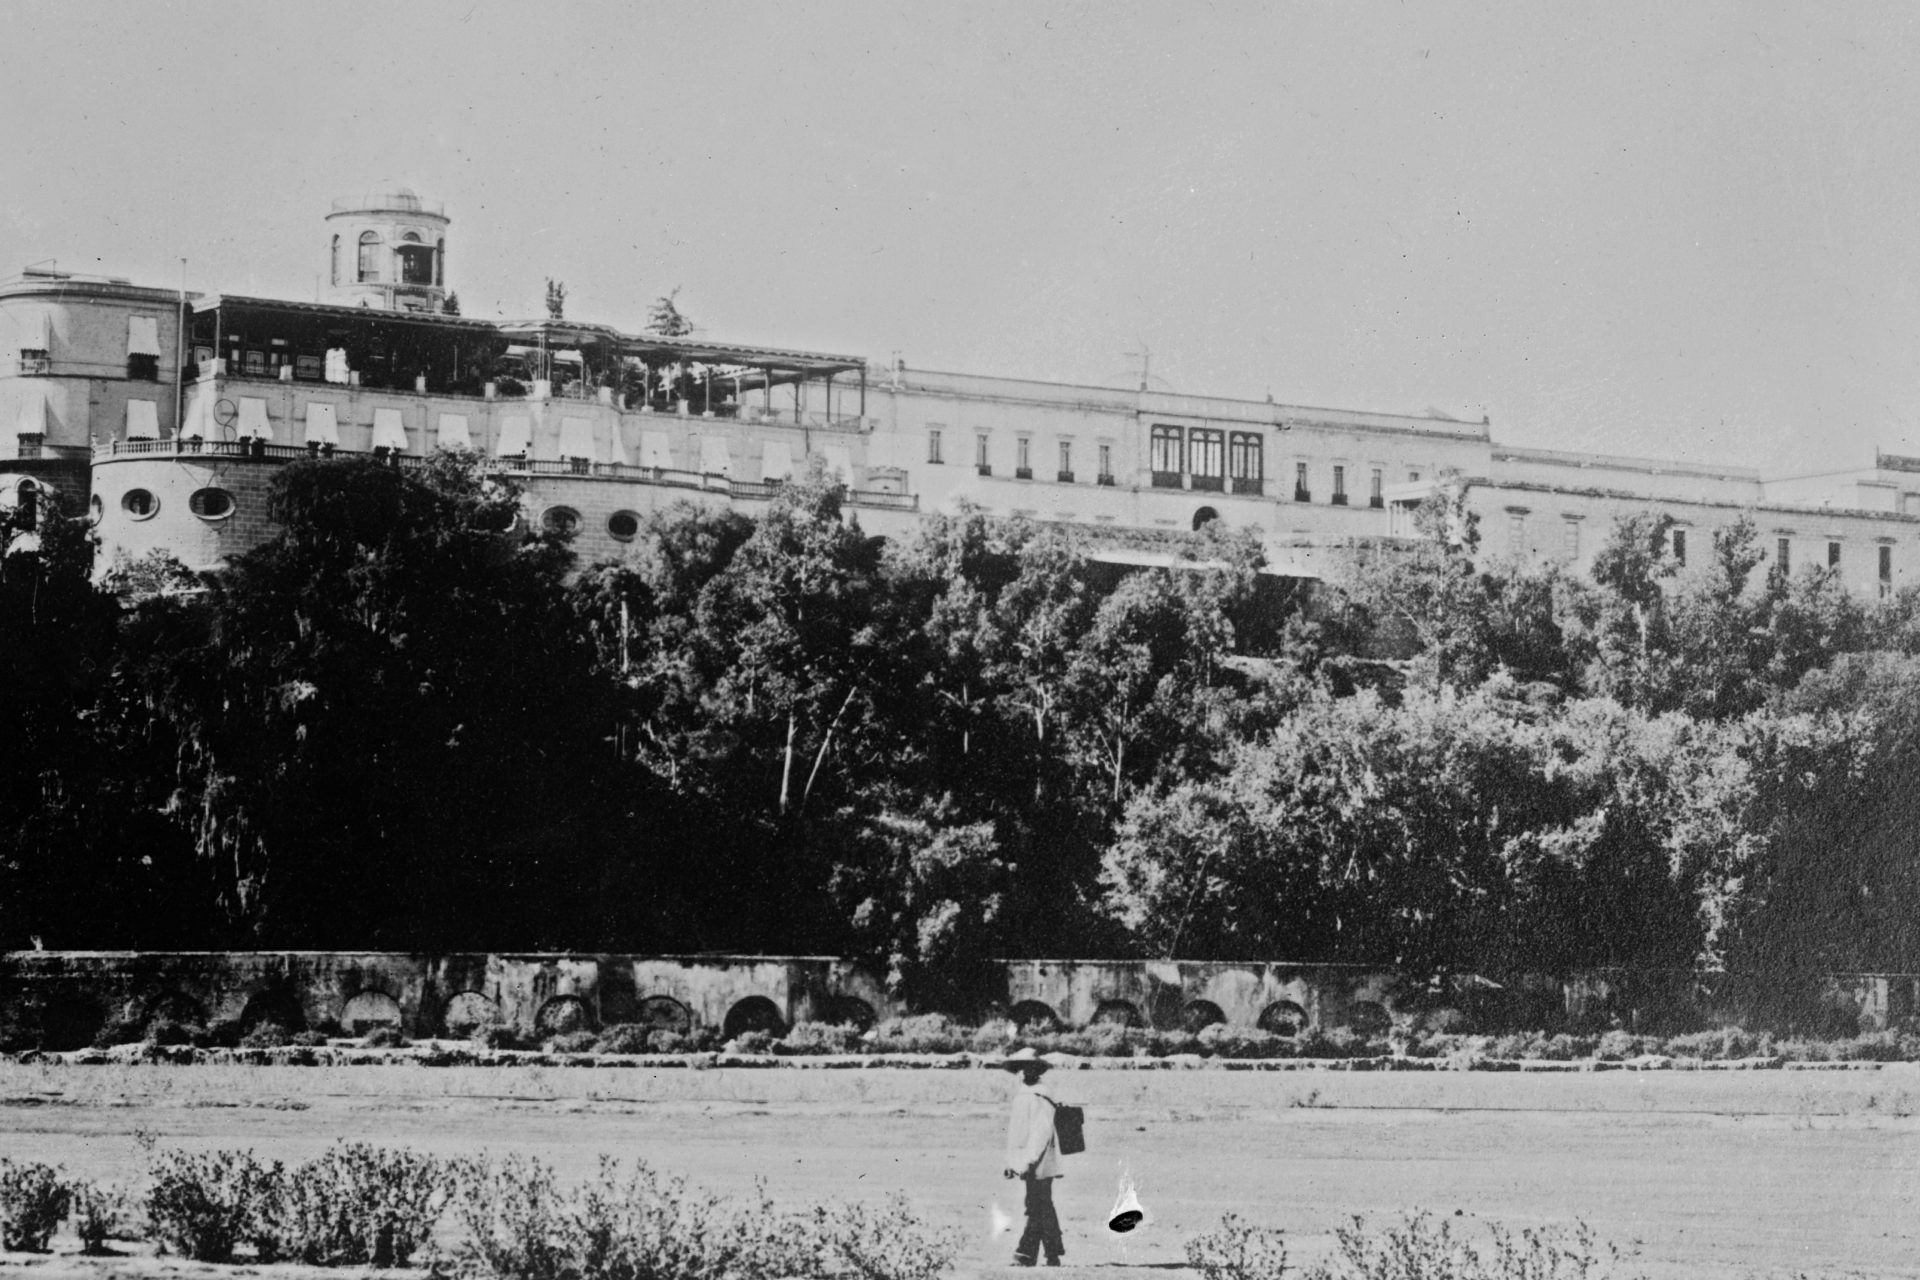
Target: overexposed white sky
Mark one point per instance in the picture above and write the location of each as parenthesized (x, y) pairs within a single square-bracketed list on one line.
[(1680, 230)]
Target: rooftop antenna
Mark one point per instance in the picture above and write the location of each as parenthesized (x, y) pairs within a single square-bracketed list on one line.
[(1145, 356)]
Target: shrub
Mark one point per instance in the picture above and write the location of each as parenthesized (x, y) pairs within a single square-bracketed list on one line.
[(1338, 1042), (99, 1214), (573, 1042), (922, 1033), (33, 1200), (993, 1037), (1722, 1044), (1419, 1248), (622, 1037), (266, 1035), (1445, 1022), (123, 1027), (1237, 1250), (317, 1039), (497, 1035), (382, 1037), (888, 1241), (169, 1031), (361, 1205), (751, 1042), (1223, 1041), (514, 1221), (820, 1037), (1523, 1044), (203, 1205), (1876, 1046)]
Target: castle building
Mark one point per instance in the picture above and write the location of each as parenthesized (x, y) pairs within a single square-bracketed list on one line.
[(168, 413)]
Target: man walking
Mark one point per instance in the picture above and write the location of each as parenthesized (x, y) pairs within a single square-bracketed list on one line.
[(1033, 1156)]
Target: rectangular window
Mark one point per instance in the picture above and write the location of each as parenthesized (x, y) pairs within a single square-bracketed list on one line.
[(1207, 458), (1169, 457), (35, 360), (1680, 547), (1246, 465), (143, 368), (1106, 464), (933, 444), (1517, 533), (1066, 462), (980, 455), (1300, 491), (1377, 488), (1023, 458), (1783, 556), (1833, 555), (1413, 477), (309, 367), (1886, 570), (1339, 486), (1573, 540)]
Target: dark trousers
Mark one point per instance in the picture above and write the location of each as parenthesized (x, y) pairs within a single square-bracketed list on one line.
[(1043, 1225)]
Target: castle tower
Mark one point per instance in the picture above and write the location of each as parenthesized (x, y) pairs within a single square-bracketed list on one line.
[(387, 250)]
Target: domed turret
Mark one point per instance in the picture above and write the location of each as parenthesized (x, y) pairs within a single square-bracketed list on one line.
[(388, 250)]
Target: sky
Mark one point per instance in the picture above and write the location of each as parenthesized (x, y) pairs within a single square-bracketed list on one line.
[(1681, 231)]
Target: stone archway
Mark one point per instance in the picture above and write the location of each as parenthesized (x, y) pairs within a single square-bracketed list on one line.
[(755, 1013)]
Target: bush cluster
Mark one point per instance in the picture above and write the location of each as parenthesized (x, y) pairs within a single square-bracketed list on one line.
[(34, 1199), (521, 1224), (1418, 1247)]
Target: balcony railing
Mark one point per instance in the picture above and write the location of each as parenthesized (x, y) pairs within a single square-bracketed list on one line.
[(1208, 484), (1023, 473), (1064, 477), (1106, 480), (1302, 495), (261, 451), (1339, 499), (1251, 486), (1168, 480)]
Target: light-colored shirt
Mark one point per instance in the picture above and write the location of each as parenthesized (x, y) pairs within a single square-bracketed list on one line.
[(1031, 1145)]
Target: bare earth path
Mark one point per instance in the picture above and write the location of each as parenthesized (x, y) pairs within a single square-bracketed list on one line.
[(1708, 1174)]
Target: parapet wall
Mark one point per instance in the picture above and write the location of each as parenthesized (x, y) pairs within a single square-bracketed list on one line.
[(430, 995)]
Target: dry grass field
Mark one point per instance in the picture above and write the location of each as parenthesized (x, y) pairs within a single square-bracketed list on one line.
[(1752, 1173)]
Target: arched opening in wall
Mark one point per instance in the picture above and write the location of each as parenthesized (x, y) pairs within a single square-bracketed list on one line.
[(26, 503), (623, 526), (1368, 1018), (1283, 1018), (1117, 1013), (276, 1005), (1200, 1014), (415, 260), (440, 261), (139, 503), (563, 1014), (755, 1013), (560, 520), (664, 1013), (176, 1007), (96, 510), (1204, 516), (1031, 1016), (368, 1010), (468, 1011), (848, 1011), (336, 260), (211, 504), (70, 1021)]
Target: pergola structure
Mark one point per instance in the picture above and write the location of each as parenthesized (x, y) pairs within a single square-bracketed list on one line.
[(442, 354)]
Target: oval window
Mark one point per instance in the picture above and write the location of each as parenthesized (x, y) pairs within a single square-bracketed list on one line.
[(139, 503), (623, 525), (211, 504), (560, 520)]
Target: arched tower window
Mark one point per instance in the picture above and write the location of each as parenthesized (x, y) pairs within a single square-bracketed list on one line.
[(414, 259), (440, 261), (336, 260), (369, 257)]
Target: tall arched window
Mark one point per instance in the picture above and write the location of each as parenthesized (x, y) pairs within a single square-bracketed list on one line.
[(369, 257), (336, 260), (440, 261)]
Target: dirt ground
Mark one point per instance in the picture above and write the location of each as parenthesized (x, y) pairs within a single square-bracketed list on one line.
[(1763, 1173)]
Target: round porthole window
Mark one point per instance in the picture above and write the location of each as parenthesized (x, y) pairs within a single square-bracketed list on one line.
[(560, 520), (624, 526), (211, 504), (139, 503)]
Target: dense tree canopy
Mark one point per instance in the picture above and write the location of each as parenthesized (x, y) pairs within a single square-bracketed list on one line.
[(398, 723)]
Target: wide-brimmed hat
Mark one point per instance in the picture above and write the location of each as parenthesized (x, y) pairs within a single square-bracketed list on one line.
[(1024, 1060)]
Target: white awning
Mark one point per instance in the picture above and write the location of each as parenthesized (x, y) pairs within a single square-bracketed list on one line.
[(253, 419), (839, 463), (388, 432), (567, 357), (453, 431), (516, 437), (656, 450), (199, 421), (715, 459), (32, 417), (576, 438), (617, 445), (36, 331), (143, 420), (323, 424), (143, 336), (546, 440), (776, 461)]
